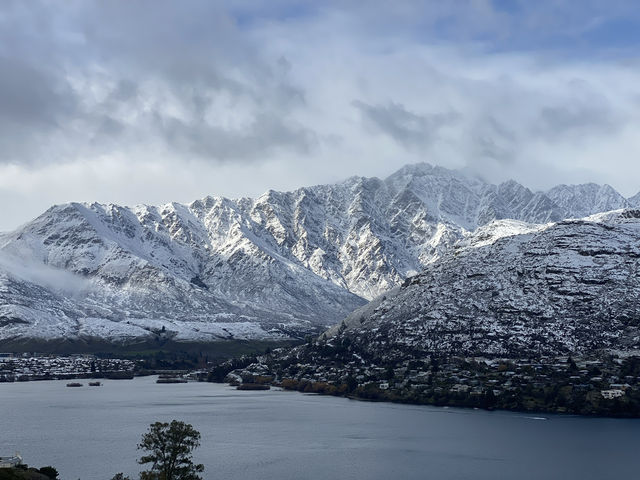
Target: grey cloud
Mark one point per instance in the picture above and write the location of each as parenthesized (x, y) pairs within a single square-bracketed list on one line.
[(198, 52), (562, 121), (126, 90), (264, 135), (493, 140), (407, 128), (109, 128), (194, 51), (30, 95), (34, 104)]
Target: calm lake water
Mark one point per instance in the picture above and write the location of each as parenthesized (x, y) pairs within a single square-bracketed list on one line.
[(91, 433)]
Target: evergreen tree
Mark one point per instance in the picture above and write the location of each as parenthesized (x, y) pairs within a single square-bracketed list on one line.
[(170, 447)]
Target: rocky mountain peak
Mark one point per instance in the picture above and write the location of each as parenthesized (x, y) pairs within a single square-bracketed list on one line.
[(579, 201), (282, 264), (635, 200)]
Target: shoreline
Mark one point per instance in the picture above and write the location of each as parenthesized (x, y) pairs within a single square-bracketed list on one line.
[(405, 401)]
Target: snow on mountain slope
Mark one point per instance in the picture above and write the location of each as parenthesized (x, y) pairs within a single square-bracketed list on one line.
[(283, 264), (490, 233), (569, 287), (142, 272), (634, 201), (578, 201)]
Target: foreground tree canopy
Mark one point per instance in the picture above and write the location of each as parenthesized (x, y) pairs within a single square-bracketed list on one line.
[(169, 448)]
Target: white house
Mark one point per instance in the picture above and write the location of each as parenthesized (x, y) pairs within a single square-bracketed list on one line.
[(10, 462), (612, 393)]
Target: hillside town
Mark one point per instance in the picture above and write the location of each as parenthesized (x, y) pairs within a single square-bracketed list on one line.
[(608, 384), (33, 366)]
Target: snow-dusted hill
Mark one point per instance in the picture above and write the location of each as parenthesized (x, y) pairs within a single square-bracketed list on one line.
[(281, 265), (567, 288)]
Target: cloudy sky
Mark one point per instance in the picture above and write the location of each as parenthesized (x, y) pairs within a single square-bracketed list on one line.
[(154, 101)]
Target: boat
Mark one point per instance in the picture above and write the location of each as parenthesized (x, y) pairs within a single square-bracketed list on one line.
[(95, 384), (74, 384)]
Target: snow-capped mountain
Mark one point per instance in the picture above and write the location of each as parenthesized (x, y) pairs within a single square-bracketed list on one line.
[(634, 201), (579, 201), (567, 288), (281, 265)]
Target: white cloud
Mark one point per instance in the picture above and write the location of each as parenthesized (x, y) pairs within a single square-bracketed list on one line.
[(57, 280)]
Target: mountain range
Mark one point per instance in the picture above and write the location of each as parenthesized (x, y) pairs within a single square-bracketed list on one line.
[(279, 266), (566, 288), (543, 321)]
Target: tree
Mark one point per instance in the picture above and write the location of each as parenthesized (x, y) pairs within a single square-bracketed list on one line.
[(170, 447), (49, 472), (489, 399), (573, 368), (120, 476), (352, 383), (389, 374)]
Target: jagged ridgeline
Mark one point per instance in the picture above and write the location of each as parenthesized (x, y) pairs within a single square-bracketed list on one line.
[(571, 288), (280, 266)]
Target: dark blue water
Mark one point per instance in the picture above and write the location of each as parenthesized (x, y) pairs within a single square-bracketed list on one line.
[(91, 433)]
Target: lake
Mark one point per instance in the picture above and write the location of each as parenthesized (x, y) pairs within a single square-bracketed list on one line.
[(91, 433)]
